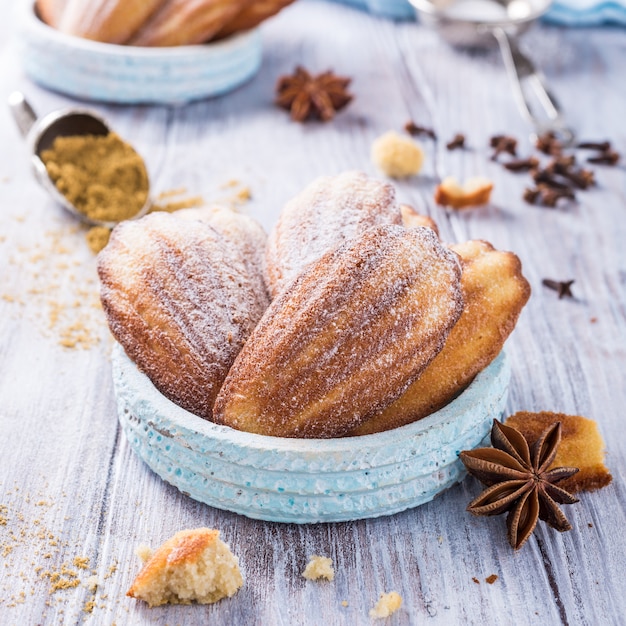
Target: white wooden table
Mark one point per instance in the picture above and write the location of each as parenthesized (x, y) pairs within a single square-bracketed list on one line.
[(72, 493)]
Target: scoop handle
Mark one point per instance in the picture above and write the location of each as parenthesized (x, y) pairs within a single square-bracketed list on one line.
[(23, 113), (526, 79)]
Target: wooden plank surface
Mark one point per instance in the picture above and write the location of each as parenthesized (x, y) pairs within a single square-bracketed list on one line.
[(75, 501)]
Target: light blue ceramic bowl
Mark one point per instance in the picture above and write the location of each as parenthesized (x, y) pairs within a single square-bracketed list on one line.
[(306, 480), (91, 70)]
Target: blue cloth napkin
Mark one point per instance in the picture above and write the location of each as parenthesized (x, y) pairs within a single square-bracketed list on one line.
[(567, 12), (587, 12)]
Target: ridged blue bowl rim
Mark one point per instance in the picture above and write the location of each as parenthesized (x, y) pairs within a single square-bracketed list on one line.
[(306, 480)]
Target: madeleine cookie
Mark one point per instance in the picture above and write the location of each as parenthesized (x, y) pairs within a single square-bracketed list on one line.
[(345, 338), (101, 20), (327, 213), (412, 219), (494, 293), (185, 22), (247, 237), (181, 302), (252, 15)]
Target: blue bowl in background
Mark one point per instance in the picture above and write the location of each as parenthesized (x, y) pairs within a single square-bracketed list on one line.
[(91, 70)]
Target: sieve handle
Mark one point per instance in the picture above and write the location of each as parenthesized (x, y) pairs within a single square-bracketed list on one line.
[(527, 82), (23, 113)]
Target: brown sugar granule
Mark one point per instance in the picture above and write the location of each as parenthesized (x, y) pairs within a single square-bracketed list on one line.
[(82, 562), (491, 579), (64, 578), (176, 205), (101, 175), (581, 446)]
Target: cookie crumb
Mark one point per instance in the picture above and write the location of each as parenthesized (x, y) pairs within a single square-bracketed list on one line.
[(144, 552), (319, 567), (82, 562), (397, 156), (387, 604)]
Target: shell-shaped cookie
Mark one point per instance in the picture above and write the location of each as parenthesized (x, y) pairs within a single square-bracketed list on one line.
[(101, 20), (245, 233), (346, 337), (179, 299), (494, 292), (183, 23), (328, 212)]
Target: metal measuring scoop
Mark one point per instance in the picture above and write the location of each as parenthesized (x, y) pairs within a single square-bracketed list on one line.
[(40, 135), (479, 24)]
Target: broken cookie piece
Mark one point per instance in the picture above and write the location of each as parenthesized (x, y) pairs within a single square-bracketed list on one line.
[(319, 567), (581, 446), (192, 566), (474, 192)]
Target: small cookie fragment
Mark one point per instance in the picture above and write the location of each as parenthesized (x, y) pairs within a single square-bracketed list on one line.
[(581, 446), (319, 567), (387, 604), (193, 566), (397, 156), (474, 192)]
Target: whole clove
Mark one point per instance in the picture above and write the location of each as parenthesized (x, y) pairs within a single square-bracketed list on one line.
[(457, 142), (503, 144), (414, 130), (531, 195), (549, 144), (562, 287), (548, 179), (522, 165), (549, 197), (610, 157), (566, 168), (601, 146), (543, 195)]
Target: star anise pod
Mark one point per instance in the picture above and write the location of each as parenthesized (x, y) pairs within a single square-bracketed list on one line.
[(519, 481), (312, 96)]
